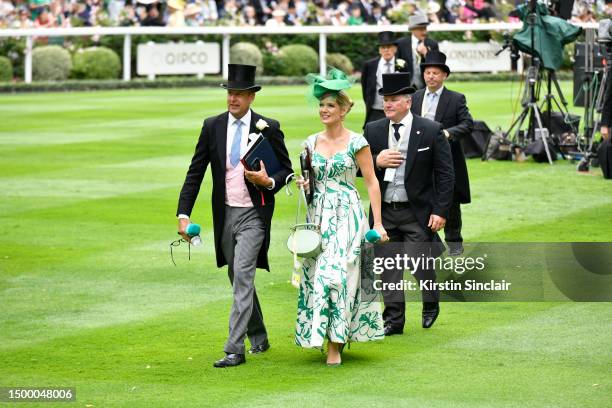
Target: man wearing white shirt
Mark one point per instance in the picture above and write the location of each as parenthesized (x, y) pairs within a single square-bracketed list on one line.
[(413, 165), (449, 108), (242, 205), (372, 71)]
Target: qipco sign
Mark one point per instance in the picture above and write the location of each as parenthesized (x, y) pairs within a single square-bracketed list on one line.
[(169, 59)]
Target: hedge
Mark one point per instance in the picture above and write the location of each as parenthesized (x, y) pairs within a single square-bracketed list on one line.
[(96, 63), (6, 69), (298, 60), (247, 53), (50, 63), (339, 61)]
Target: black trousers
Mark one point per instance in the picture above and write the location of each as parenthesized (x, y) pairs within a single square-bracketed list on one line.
[(452, 229), (402, 226)]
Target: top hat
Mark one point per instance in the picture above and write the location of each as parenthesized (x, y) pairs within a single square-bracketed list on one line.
[(241, 78), (386, 38), (397, 83), (417, 20), (435, 59)]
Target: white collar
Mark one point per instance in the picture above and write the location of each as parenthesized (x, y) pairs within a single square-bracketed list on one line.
[(246, 119), (406, 120), (382, 61), (438, 92)]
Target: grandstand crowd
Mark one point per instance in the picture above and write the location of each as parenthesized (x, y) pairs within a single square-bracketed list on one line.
[(181, 13)]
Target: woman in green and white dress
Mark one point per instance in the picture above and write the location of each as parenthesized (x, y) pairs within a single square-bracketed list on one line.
[(330, 303)]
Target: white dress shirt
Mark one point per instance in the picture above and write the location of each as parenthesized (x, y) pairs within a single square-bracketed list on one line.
[(425, 107), (380, 70)]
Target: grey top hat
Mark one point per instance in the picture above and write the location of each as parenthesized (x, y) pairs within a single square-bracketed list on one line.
[(417, 20)]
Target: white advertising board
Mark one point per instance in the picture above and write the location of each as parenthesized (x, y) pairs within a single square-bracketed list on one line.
[(178, 58), (475, 57)]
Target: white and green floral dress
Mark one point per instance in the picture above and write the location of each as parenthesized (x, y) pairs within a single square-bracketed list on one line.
[(330, 302)]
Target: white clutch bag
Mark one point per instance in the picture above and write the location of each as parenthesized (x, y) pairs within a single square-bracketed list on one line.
[(305, 240)]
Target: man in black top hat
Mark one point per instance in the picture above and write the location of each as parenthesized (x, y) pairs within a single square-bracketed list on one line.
[(372, 71), (415, 47), (413, 165), (436, 102), (242, 204)]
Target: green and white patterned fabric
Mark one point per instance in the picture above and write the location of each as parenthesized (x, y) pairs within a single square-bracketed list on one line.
[(330, 302)]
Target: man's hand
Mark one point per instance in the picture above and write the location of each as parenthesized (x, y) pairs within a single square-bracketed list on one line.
[(389, 158), (422, 49), (605, 133), (259, 178), (182, 226), (436, 223)]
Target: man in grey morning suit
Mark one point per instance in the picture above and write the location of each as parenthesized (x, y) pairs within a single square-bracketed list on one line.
[(242, 205)]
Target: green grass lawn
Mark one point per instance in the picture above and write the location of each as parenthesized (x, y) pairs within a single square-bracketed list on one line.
[(89, 298)]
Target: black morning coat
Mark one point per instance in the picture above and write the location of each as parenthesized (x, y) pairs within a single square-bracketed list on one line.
[(212, 149), (452, 112), (404, 50), (429, 175)]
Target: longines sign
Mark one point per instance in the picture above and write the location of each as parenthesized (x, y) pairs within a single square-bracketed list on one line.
[(475, 57), (167, 59)]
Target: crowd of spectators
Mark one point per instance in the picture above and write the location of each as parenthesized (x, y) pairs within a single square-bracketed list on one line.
[(180, 13)]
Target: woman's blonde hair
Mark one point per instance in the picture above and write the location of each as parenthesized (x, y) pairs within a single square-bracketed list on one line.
[(342, 99)]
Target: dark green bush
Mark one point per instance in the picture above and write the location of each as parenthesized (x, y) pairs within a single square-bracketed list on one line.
[(96, 63), (339, 61), (247, 53), (357, 47), (50, 63), (298, 60), (6, 69), (13, 48)]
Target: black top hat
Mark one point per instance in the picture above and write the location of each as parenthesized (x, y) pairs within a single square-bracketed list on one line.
[(435, 59), (397, 83), (241, 78), (386, 38)]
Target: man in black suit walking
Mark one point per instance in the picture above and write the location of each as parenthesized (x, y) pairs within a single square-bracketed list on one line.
[(436, 102), (414, 168), (414, 47), (372, 71), (242, 204)]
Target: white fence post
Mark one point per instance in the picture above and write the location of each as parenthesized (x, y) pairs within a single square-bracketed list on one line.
[(127, 57), (225, 55), (322, 53), (28, 59)]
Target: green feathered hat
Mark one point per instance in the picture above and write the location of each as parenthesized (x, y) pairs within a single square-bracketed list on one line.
[(333, 83)]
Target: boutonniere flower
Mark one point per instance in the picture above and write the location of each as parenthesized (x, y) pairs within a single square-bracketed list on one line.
[(261, 125), (400, 63)]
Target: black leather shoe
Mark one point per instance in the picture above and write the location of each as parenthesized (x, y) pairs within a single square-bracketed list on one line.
[(455, 248), (390, 330), (259, 349), (230, 360), (430, 314)]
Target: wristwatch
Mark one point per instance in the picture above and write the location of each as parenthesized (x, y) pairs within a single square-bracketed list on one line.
[(446, 133)]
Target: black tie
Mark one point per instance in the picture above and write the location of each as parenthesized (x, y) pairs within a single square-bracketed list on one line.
[(396, 127)]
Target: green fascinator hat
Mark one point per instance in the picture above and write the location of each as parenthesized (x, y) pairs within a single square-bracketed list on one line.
[(333, 83)]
